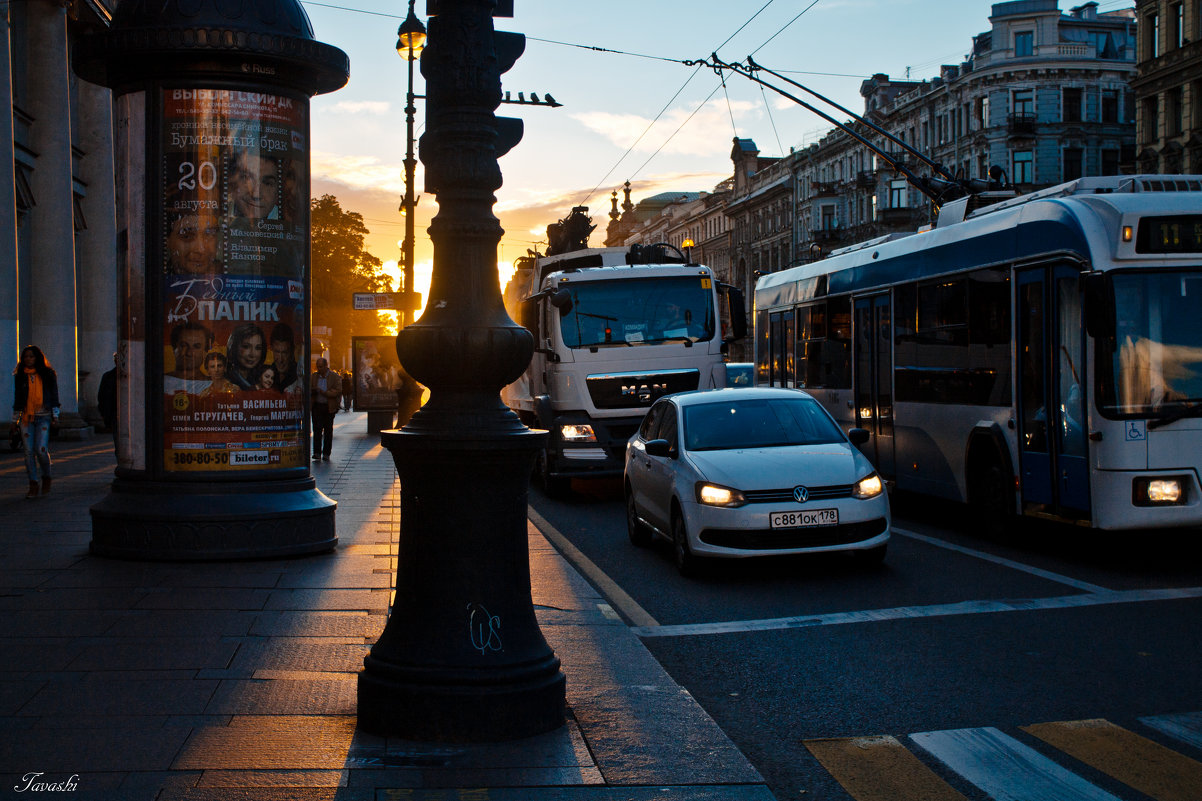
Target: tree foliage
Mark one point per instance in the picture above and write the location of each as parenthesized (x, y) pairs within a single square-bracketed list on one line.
[(340, 267)]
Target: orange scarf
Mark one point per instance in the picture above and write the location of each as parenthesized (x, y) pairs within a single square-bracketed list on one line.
[(33, 403)]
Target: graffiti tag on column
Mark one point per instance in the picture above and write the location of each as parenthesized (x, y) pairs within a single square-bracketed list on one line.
[(483, 629)]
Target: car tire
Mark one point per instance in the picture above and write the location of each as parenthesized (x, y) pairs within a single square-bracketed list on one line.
[(640, 535), (872, 556), (686, 561), (553, 486)]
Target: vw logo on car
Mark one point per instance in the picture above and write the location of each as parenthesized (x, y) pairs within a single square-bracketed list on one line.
[(801, 494)]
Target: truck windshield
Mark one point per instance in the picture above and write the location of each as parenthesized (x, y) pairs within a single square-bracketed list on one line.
[(1154, 365), (639, 311)]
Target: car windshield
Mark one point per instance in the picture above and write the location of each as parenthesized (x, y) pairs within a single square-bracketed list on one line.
[(758, 423), (1154, 367), (638, 311)]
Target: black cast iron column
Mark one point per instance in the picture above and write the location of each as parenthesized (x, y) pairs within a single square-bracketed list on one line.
[(462, 657)]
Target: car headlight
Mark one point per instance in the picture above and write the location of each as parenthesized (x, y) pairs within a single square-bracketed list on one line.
[(718, 495), (1160, 491), (577, 432), (869, 486)]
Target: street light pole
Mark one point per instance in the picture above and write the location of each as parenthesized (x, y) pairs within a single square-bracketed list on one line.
[(411, 39)]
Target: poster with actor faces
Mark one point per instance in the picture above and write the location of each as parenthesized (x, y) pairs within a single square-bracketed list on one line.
[(235, 214)]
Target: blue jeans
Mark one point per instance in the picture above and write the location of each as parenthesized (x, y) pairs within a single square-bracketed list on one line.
[(35, 436)]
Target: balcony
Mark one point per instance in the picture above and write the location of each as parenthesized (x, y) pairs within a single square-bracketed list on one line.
[(1021, 124), (826, 236), (866, 180)]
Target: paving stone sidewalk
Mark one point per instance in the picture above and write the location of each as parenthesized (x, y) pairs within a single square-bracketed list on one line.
[(191, 682)]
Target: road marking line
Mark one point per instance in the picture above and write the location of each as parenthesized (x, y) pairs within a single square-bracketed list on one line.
[(608, 587), (1136, 761), (1001, 560), (880, 769), (1186, 727), (1006, 769), (911, 612)]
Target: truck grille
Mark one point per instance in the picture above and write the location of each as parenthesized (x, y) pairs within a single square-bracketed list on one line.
[(639, 390)]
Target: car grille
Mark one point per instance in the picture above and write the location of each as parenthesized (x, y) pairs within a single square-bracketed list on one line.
[(786, 495), (745, 540), (639, 390)]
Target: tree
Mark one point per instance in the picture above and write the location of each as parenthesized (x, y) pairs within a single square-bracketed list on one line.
[(341, 266)]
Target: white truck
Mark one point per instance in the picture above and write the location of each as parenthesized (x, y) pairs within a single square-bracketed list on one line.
[(614, 329)]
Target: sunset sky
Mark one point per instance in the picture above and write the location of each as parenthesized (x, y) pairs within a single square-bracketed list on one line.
[(580, 153)]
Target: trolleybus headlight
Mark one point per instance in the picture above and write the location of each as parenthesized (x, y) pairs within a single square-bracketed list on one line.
[(717, 495), (1164, 490), (576, 432), (868, 487)]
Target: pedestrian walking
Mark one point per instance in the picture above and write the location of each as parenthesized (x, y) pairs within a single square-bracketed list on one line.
[(35, 407), (106, 400), (348, 390), (325, 395)]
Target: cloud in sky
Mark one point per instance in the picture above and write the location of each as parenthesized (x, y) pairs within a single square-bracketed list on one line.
[(358, 172), (360, 107), (694, 139)]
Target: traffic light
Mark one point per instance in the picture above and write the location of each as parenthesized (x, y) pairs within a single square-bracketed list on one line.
[(507, 47)]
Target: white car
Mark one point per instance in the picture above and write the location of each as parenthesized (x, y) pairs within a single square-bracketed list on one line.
[(752, 472)]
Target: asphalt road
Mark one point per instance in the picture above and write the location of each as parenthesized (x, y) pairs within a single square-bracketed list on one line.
[(955, 633)]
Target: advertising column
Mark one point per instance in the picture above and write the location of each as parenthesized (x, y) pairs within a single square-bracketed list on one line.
[(212, 162), (235, 309)]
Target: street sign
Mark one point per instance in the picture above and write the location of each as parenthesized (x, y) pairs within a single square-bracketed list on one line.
[(387, 301)]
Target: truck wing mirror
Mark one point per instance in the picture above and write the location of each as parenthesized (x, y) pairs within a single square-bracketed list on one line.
[(562, 300), (736, 311)]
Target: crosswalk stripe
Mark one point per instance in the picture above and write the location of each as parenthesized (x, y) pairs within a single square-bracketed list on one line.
[(1136, 761), (1006, 769), (1186, 727), (880, 769)]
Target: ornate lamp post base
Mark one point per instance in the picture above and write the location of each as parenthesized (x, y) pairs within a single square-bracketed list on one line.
[(462, 658), (170, 521)]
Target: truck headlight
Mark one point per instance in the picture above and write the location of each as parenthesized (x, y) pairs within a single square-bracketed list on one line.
[(718, 495), (1158, 491), (868, 487), (577, 432)]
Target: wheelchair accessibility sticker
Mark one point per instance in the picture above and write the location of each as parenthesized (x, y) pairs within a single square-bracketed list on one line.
[(1136, 430)]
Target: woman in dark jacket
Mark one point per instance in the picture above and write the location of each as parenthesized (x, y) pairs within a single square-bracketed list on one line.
[(35, 406)]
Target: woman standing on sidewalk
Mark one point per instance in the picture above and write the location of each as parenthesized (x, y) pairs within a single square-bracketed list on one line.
[(35, 405)]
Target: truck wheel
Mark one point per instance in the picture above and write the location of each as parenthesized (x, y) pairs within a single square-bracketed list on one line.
[(553, 486), (640, 535)]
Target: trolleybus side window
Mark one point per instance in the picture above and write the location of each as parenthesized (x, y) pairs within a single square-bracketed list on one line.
[(763, 349), (823, 345)]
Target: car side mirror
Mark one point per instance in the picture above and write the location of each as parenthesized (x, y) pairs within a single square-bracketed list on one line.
[(858, 436), (658, 447)]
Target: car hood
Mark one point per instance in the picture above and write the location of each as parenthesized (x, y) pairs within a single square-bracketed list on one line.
[(773, 468)]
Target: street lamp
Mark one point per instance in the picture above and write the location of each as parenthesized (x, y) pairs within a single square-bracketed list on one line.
[(411, 40)]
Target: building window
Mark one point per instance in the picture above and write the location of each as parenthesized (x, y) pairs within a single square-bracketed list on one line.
[(1173, 121), (1195, 100), (1070, 110), (1110, 162), (1074, 158), (1023, 101), (1151, 28), (897, 194), (1151, 115), (1024, 167), (1110, 105), (1177, 15), (1024, 44), (983, 112)]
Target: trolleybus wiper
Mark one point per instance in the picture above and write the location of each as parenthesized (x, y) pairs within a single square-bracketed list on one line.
[(1180, 414)]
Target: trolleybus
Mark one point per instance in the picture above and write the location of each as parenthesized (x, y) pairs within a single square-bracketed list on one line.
[(1039, 356)]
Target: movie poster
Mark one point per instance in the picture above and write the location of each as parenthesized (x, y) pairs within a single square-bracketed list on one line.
[(234, 224), (377, 373)]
